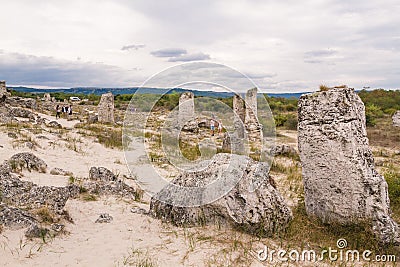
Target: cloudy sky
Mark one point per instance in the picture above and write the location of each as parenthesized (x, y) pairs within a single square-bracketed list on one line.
[(284, 46)]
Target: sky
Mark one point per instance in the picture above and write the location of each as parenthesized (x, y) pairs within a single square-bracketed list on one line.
[(283, 46)]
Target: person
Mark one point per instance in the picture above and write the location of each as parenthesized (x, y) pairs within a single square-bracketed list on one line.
[(220, 127), (58, 112), (212, 127), (70, 110)]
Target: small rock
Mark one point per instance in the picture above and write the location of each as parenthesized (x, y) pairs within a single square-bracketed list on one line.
[(57, 227), (101, 173), (139, 210), (104, 218), (29, 161), (59, 171), (12, 135), (54, 124)]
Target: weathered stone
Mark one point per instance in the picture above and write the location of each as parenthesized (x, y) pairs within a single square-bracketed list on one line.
[(104, 218), (251, 106), (101, 173), (29, 161), (47, 97), (284, 150), (105, 109), (16, 101), (21, 112), (252, 204), (12, 135), (3, 91), (139, 211), (59, 171), (340, 182), (186, 108), (15, 218), (26, 195), (396, 119), (54, 124)]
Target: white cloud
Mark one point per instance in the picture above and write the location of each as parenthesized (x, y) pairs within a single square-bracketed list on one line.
[(351, 42)]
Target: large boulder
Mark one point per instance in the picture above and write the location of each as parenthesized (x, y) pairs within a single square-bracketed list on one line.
[(27, 160), (340, 181), (396, 119), (26, 195), (253, 204)]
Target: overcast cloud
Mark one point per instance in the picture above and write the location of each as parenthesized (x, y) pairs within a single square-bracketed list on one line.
[(284, 46)]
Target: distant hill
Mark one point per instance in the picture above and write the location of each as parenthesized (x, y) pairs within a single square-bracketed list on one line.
[(132, 90)]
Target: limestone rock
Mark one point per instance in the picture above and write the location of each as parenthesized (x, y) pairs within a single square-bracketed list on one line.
[(59, 171), (186, 108), (47, 97), (22, 102), (104, 218), (284, 150), (396, 119), (252, 204), (26, 195), (21, 112), (340, 181), (29, 161), (12, 135), (15, 218), (54, 124), (105, 109), (3, 90), (101, 173)]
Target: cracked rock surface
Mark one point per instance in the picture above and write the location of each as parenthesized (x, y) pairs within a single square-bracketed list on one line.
[(340, 180), (253, 204)]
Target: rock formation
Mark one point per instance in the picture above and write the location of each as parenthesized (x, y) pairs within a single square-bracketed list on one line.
[(3, 91), (47, 97), (105, 109), (253, 204), (340, 181), (101, 173), (28, 161), (186, 108), (396, 119)]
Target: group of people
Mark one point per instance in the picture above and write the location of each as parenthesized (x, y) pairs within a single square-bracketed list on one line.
[(65, 110), (212, 127)]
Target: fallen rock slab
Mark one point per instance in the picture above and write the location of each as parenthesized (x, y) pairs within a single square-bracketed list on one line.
[(253, 204)]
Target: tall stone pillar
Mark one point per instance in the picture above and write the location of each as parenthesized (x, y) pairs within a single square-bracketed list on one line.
[(340, 181), (105, 109)]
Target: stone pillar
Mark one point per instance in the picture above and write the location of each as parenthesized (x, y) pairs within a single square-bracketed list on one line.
[(47, 97), (251, 106), (105, 109), (186, 108), (396, 119), (341, 184), (3, 90)]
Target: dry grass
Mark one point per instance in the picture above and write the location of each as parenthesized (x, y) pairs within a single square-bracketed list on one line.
[(45, 215)]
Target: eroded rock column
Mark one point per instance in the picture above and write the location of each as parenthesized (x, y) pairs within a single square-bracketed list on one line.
[(340, 181), (186, 108), (396, 119), (105, 109)]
